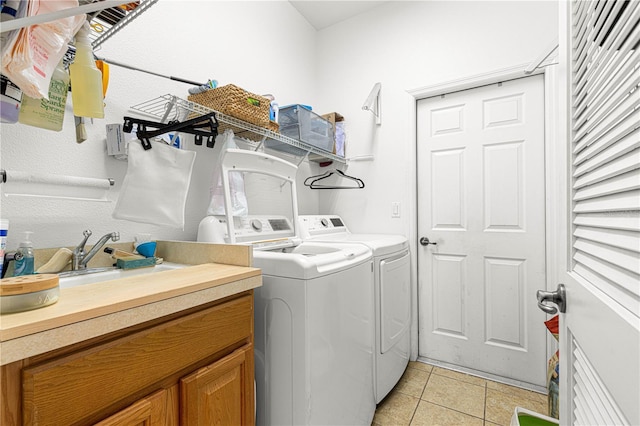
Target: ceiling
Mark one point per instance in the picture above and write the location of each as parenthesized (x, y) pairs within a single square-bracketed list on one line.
[(324, 13)]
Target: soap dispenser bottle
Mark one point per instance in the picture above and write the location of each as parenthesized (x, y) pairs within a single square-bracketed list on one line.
[(86, 79), (24, 263)]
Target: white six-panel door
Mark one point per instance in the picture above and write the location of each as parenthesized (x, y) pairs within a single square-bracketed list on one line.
[(481, 199)]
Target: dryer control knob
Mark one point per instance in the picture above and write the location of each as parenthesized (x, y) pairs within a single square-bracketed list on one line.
[(324, 222), (256, 224)]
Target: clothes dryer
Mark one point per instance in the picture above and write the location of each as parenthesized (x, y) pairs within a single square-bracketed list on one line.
[(313, 315), (392, 292)]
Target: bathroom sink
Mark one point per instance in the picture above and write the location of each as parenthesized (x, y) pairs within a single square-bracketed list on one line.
[(90, 276)]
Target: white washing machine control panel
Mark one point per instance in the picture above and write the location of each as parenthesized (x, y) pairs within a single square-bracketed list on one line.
[(266, 230), (314, 225)]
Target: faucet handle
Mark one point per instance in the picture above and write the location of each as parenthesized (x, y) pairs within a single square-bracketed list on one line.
[(87, 233)]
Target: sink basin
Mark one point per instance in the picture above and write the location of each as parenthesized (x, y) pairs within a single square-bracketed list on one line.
[(106, 274)]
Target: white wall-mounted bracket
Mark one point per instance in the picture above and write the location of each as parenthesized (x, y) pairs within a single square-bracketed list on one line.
[(373, 103)]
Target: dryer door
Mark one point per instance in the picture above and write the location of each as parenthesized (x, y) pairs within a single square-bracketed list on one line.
[(395, 300)]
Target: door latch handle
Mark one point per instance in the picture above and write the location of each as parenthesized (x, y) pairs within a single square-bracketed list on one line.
[(558, 297), (425, 241)]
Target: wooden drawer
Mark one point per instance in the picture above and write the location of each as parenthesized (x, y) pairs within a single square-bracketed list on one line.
[(76, 387)]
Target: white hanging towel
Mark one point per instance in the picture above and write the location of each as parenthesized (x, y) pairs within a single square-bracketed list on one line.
[(155, 187)]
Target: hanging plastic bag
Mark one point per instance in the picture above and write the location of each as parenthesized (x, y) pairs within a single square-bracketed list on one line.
[(11, 9), (31, 56), (155, 188), (236, 183)]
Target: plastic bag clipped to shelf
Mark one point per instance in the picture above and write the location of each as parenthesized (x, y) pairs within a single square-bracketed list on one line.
[(155, 188), (31, 56), (239, 203)]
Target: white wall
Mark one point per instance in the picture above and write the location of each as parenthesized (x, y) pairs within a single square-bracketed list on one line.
[(408, 45), (264, 47), (267, 47)]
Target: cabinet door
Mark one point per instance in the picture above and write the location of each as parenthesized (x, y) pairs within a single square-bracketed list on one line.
[(155, 410), (54, 391), (221, 393)]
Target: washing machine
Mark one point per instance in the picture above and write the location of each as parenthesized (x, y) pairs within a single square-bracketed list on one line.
[(314, 321), (392, 292)]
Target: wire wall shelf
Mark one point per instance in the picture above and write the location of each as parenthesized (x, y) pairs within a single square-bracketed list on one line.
[(167, 108), (113, 20), (105, 23), (106, 18)]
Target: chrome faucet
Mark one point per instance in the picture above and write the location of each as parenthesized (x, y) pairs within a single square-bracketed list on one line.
[(80, 258)]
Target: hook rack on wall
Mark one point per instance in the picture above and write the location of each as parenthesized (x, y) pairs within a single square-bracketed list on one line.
[(203, 127), (312, 181)]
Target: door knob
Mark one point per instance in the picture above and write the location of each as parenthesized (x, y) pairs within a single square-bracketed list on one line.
[(558, 297), (425, 241)]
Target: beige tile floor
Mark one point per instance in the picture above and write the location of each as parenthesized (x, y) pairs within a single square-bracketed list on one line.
[(428, 395)]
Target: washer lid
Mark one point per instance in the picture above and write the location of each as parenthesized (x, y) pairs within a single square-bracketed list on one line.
[(310, 259), (331, 228), (381, 244), (238, 160)]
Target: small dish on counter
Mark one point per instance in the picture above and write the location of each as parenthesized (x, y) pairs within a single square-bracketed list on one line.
[(27, 292)]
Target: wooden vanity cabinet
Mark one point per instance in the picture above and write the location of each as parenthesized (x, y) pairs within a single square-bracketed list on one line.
[(191, 369)]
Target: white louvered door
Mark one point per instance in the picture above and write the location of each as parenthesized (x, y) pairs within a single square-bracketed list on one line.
[(599, 204)]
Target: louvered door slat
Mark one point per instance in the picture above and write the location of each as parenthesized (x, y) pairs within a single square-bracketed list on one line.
[(623, 154), (609, 221), (603, 253), (620, 283), (611, 94), (622, 111), (584, 399), (629, 181), (582, 45), (587, 136), (588, 410), (616, 275), (612, 203), (625, 127), (604, 57), (584, 65), (583, 50), (614, 238)]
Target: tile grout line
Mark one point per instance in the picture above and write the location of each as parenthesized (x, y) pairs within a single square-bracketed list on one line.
[(415, 410), (484, 413), (444, 406), (486, 383)]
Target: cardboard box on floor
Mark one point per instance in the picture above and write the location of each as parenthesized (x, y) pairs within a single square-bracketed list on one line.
[(333, 118)]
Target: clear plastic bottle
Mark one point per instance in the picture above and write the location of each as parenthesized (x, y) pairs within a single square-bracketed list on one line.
[(4, 230), (24, 266), (11, 97), (86, 79), (10, 94), (48, 114)]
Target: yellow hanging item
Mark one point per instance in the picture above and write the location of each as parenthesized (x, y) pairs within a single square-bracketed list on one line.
[(104, 69)]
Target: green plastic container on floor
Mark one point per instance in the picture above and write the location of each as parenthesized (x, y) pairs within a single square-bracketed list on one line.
[(527, 420), (524, 417)]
